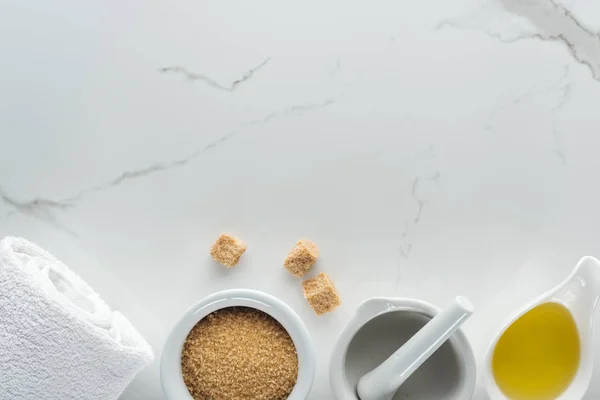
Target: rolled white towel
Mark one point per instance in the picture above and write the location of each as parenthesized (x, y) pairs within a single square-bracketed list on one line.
[(58, 339)]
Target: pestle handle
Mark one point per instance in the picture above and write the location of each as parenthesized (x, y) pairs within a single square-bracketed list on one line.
[(383, 382)]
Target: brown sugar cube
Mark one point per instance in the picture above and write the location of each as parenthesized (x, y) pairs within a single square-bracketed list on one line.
[(227, 250), (302, 257), (321, 294)]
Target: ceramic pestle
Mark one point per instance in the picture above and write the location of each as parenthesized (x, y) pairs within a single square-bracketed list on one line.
[(383, 382)]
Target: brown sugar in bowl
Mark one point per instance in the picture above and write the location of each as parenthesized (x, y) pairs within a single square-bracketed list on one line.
[(172, 377), (239, 353)]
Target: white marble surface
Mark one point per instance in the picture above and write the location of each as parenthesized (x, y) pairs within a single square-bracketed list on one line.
[(430, 148)]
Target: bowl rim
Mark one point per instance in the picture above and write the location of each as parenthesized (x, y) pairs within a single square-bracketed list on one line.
[(376, 306), (171, 376)]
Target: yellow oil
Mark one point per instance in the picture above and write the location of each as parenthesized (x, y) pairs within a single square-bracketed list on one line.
[(537, 357)]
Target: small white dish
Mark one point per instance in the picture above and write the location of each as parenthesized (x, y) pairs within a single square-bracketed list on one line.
[(171, 377), (579, 293), (378, 327)]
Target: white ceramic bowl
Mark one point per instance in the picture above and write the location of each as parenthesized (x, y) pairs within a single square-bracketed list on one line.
[(170, 367), (372, 308)]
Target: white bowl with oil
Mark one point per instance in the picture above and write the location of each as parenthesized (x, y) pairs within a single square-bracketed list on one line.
[(578, 294), (171, 375)]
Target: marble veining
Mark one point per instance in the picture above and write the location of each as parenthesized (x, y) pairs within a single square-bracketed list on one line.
[(554, 23), (564, 89), (39, 208), (192, 76), (46, 210), (430, 149)]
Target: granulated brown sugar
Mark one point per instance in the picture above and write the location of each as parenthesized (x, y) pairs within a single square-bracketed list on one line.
[(239, 353)]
